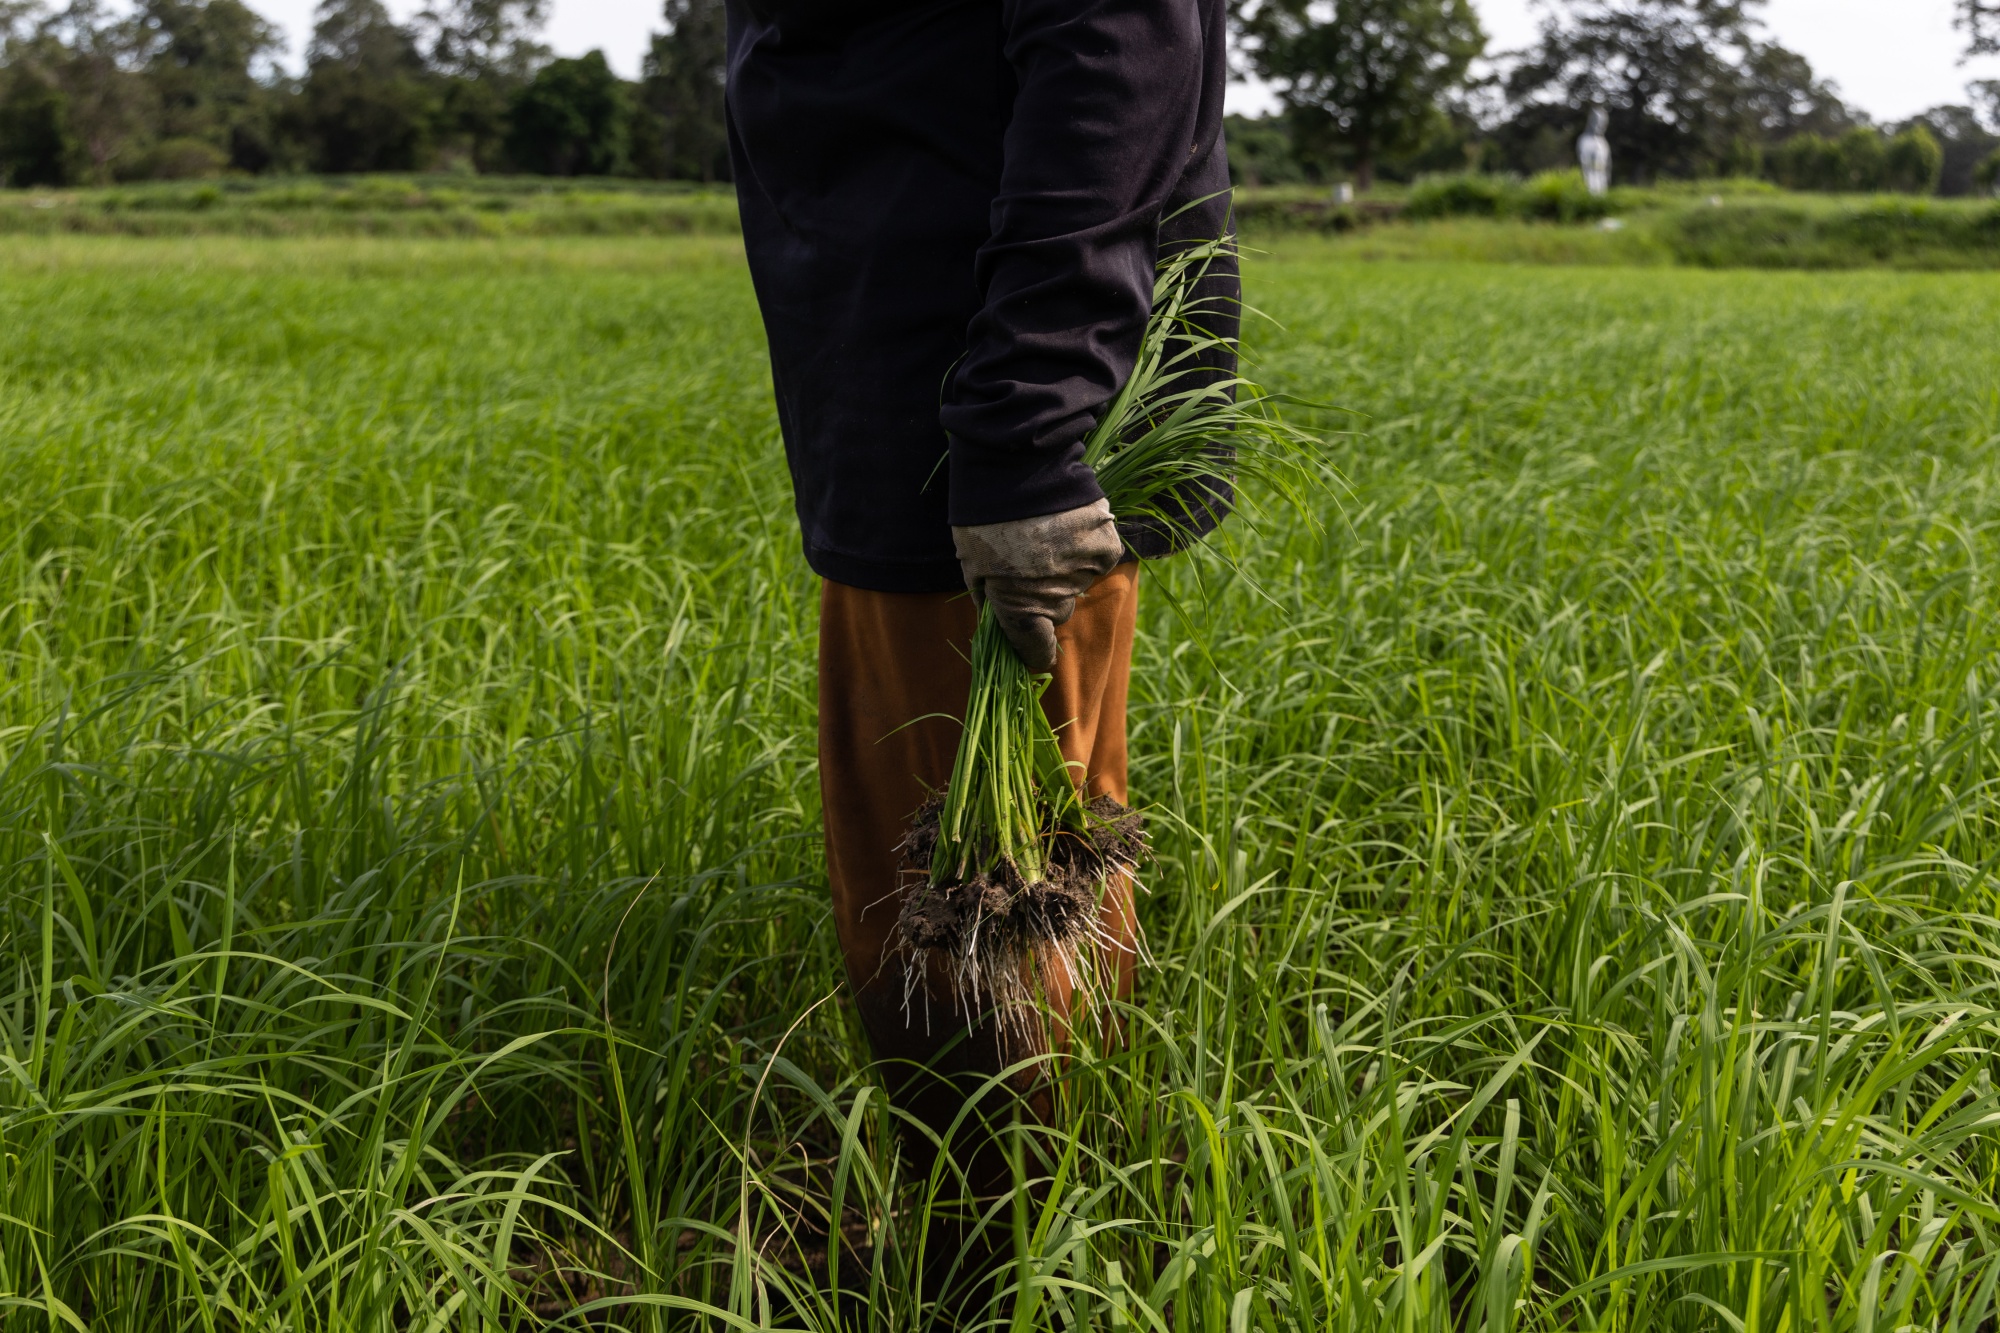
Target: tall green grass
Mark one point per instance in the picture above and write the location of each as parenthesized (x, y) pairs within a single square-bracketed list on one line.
[(1573, 907)]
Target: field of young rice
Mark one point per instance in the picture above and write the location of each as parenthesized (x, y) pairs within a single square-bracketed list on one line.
[(1575, 906)]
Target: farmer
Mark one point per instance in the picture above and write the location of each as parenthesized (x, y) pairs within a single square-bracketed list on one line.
[(953, 210)]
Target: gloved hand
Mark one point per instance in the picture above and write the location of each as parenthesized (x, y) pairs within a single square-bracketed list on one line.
[(1033, 569)]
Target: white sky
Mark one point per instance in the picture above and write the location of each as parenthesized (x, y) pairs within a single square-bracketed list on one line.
[(1891, 58)]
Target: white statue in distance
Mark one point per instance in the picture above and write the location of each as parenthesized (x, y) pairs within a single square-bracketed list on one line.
[(1593, 151)]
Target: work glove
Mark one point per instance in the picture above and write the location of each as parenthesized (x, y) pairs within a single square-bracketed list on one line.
[(1032, 570)]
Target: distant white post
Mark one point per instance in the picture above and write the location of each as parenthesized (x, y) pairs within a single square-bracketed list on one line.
[(1593, 150)]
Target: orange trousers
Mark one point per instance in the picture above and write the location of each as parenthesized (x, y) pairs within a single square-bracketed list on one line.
[(893, 676)]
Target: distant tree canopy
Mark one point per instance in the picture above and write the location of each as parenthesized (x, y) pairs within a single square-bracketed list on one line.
[(1260, 151), (178, 88), (368, 102), (208, 64), (1862, 160), (685, 129), (1369, 75), (573, 119), (1986, 94), (484, 51), (98, 91), (1965, 139), (1691, 88), (37, 143), (1980, 21), (484, 39)]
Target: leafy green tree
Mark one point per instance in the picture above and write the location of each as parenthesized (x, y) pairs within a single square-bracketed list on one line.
[(369, 101), (1980, 21), (485, 51), (18, 19), (1774, 94), (36, 147), (1804, 162), (1987, 175), (1912, 162), (91, 54), (1260, 151), (469, 124), (1859, 161), (1671, 73), (681, 92), (1862, 160), (1368, 74), (484, 39), (573, 119), (166, 87), (1963, 141), (1692, 87), (203, 59), (36, 144), (1985, 94)]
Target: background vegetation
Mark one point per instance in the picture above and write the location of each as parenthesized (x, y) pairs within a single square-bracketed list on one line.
[(1546, 218), (1713, 224), (1695, 90), (1575, 904), (379, 206), (178, 89)]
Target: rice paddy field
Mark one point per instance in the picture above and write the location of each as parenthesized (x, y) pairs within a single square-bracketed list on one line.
[(1575, 904)]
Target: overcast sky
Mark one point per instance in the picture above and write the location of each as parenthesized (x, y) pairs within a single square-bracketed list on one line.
[(1891, 58)]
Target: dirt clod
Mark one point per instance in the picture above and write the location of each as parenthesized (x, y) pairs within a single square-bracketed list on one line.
[(989, 929)]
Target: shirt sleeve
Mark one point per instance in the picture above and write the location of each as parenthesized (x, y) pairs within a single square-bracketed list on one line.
[(1108, 96)]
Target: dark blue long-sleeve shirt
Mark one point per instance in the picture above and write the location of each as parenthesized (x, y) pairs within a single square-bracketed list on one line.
[(952, 210)]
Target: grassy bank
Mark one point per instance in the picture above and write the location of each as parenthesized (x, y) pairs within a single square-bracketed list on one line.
[(387, 206), (1574, 906), (1891, 233), (1549, 220), (1713, 225), (1470, 241)]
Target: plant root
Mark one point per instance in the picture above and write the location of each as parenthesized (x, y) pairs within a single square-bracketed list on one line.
[(993, 935)]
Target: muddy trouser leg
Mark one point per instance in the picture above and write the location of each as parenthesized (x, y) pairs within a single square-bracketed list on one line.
[(887, 660)]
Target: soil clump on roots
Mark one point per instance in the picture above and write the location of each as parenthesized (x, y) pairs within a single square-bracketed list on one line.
[(990, 931)]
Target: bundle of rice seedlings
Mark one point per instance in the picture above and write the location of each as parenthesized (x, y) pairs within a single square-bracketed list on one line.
[(1013, 859)]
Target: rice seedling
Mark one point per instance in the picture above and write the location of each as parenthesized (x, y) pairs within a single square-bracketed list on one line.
[(1013, 858), (1573, 880)]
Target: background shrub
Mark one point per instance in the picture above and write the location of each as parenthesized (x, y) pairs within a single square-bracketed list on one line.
[(1559, 196), (1552, 196), (177, 160), (1458, 196), (1912, 162), (1862, 160), (37, 142), (1896, 233)]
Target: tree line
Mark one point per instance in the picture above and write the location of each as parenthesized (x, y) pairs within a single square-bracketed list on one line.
[(1692, 88), (175, 89)]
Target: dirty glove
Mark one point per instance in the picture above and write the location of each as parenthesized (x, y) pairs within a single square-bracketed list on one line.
[(1033, 569)]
